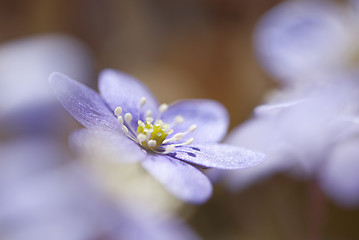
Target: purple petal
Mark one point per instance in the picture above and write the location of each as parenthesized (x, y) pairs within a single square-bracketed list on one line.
[(350, 119), (117, 146), (119, 89), (210, 117), (219, 156), (260, 134), (339, 178), (299, 38), (83, 103), (179, 178), (136, 221)]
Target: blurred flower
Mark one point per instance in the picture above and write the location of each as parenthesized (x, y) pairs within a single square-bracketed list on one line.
[(172, 142), (299, 41), (305, 137), (27, 103), (45, 196), (308, 129)]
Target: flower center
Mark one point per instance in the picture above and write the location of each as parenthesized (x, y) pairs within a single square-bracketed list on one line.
[(152, 134)]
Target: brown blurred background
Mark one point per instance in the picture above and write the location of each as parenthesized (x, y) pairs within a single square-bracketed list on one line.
[(180, 49)]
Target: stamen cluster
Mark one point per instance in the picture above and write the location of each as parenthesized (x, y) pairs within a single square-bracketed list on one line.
[(152, 134)]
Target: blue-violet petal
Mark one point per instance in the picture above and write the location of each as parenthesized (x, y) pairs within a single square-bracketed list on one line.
[(83, 103), (181, 179), (210, 117), (120, 89), (219, 156)]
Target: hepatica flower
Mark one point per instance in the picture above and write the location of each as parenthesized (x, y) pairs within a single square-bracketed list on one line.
[(314, 138), (173, 142)]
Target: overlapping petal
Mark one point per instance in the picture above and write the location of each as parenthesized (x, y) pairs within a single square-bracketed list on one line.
[(83, 103), (210, 117), (179, 178), (219, 156), (120, 89)]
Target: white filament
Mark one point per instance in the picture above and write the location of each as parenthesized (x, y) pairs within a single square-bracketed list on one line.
[(144, 136)]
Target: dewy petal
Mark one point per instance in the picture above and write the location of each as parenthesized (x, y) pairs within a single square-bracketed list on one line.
[(116, 146), (210, 117), (179, 178), (120, 89), (83, 103), (219, 156)]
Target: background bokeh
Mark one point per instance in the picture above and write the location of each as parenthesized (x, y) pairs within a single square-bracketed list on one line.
[(180, 49), (185, 49)]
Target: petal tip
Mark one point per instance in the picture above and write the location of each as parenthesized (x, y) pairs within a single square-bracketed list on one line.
[(109, 73), (54, 76), (56, 79)]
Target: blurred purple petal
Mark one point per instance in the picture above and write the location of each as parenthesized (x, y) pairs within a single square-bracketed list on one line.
[(120, 89), (120, 147), (339, 176), (27, 103), (41, 196), (47, 118), (142, 223), (27, 157), (276, 107), (37, 57), (45, 196), (302, 38), (259, 134), (179, 178), (354, 4), (83, 103), (210, 117), (219, 156)]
